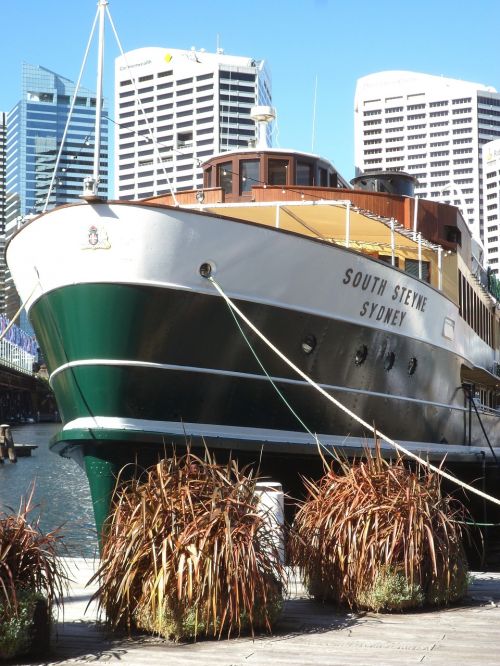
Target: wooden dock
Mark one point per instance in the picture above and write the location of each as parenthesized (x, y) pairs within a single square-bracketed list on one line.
[(308, 633)]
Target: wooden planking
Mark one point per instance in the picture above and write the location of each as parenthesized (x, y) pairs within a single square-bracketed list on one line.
[(309, 633)]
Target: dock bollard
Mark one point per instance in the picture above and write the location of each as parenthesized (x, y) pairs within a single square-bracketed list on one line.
[(272, 505), (7, 443)]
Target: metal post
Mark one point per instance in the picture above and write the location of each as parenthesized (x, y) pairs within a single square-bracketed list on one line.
[(440, 268), (98, 107), (393, 244), (415, 217), (277, 223), (347, 223), (271, 507), (419, 236)]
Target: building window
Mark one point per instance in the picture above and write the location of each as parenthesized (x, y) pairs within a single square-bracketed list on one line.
[(184, 139)]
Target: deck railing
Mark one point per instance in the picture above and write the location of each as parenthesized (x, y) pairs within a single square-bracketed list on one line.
[(15, 357)]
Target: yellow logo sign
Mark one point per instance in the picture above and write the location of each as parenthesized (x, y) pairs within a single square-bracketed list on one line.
[(168, 57)]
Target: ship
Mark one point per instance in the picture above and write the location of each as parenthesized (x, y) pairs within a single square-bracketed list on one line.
[(377, 296)]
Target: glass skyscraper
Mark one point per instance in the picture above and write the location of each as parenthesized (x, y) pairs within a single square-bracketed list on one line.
[(35, 128)]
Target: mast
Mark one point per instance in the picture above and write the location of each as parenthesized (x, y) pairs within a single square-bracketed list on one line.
[(91, 183), (98, 113)]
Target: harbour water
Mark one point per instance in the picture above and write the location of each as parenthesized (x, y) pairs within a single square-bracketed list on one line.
[(61, 494)]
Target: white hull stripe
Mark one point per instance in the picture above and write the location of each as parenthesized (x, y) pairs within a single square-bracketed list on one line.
[(243, 375), (258, 435)]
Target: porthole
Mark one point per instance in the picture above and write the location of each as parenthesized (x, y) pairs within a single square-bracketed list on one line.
[(390, 357), (361, 354), (412, 365), (308, 344), (207, 269)]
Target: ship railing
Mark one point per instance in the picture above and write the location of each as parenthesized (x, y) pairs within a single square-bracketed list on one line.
[(485, 409), (15, 357)]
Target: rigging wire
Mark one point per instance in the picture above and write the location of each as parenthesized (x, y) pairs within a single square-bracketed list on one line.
[(70, 112)]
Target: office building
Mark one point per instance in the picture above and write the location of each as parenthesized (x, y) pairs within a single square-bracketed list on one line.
[(175, 109), (35, 128), (431, 127), (491, 203), (3, 158)]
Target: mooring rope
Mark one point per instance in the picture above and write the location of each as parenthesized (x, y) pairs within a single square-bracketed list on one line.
[(377, 433), (274, 385)]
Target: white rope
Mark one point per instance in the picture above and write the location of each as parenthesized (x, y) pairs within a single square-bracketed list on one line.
[(338, 404)]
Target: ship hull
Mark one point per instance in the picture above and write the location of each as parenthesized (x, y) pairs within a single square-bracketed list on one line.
[(143, 352), (205, 380)]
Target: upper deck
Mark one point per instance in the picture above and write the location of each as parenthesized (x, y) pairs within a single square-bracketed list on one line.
[(305, 194)]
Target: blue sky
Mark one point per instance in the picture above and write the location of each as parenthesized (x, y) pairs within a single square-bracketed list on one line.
[(336, 41)]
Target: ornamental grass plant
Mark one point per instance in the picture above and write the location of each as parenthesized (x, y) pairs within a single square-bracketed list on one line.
[(376, 535), (187, 553), (32, 581)]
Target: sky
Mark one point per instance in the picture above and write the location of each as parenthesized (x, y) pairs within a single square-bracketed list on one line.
[(315, 49)]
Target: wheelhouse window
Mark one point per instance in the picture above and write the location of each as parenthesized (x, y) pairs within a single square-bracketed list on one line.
[(225, 177), (323, 177), (249, 175), (207, 177), (304, 173), (276, 172)]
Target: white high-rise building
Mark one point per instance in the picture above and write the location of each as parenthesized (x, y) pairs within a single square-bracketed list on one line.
[(3, 159), (176, 108), (491, 203), (432, 128)]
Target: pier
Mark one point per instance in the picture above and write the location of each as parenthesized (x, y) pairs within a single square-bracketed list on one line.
[(308, 633)]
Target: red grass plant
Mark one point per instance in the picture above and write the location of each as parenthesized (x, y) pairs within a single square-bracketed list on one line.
[(377, 535), (32, 580), (188, 554)]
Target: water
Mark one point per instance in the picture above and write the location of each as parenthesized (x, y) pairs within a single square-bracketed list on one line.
[(61, 489)]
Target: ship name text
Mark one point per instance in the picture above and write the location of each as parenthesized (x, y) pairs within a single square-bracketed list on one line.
[(402, 296)]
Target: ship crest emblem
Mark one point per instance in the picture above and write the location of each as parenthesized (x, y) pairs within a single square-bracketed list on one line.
[(97, 239)]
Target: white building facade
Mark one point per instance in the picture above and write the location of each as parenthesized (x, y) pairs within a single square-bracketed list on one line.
[(431, 127), (3, 159), (177, 108), (491, 203)]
